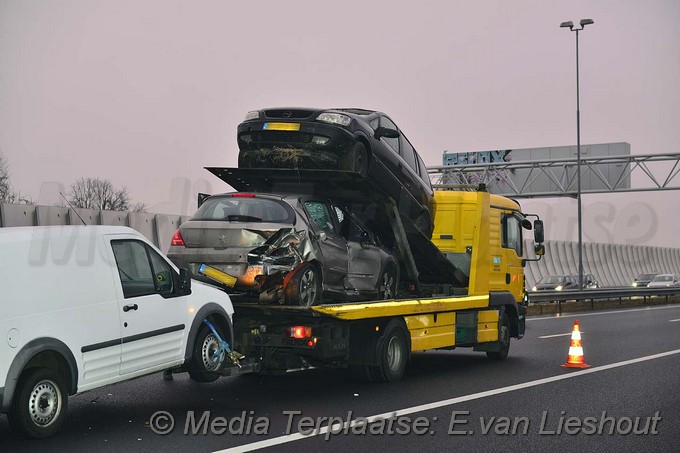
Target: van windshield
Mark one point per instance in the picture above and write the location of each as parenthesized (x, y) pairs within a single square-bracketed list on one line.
[(245, 209)]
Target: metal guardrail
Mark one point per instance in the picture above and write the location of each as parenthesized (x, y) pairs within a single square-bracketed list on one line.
[(600, 294)]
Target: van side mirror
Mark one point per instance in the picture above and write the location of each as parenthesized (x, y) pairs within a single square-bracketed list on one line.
[(538, 231), (539, 249), (386, 132), (184, 282)]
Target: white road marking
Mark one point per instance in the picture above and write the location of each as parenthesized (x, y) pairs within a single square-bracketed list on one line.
[(673, 320), (583, 315), (448, 402), (557, 335)]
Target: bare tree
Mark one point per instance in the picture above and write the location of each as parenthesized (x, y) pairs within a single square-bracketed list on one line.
[(95, 193), (139, 207), (7, 194), (5, 186)]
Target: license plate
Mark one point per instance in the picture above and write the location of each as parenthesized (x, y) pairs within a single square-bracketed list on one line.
[(281, 126)]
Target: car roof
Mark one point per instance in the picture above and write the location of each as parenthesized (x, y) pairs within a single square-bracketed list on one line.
[(27, 232)]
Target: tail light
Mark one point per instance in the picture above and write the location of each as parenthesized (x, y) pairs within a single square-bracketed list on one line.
[(298, 332), (243, 195), (177, 240)]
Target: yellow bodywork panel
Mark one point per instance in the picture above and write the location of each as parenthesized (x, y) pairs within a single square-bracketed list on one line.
[(487, 326), (431, 331), (217, 275), (407, 307)]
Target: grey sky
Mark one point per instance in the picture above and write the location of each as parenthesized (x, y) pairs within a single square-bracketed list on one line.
[(141, 92)]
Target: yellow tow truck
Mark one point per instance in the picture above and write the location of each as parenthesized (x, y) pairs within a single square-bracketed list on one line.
[(477, 240)]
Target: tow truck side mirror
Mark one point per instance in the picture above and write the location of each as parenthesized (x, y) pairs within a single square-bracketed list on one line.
[(539, 249), (538, 232)]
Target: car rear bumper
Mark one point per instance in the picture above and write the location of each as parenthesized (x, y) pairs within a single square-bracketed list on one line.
[(320, 137)]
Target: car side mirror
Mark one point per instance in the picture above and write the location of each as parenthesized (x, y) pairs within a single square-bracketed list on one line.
[(538, 232), (386, 132), (322, 236), (364, 239), (202, 197), (184, 282)]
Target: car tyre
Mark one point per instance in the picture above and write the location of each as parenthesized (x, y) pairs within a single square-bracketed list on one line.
[(504, 337), (203, 366), (388, 283), (356, 160), (304, 289), (39, 404)]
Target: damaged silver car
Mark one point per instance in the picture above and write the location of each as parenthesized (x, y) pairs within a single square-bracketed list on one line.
[(291, 249)]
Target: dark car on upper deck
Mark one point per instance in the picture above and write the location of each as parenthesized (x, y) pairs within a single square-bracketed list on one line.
[(362, 141)]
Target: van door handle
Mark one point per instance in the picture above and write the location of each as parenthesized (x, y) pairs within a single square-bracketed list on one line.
[(130, 307)]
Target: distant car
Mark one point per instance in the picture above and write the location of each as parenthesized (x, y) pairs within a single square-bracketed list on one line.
[(589, 281), (286, 248), (556, 283), (366, 142), (643, 280), (664, 280)]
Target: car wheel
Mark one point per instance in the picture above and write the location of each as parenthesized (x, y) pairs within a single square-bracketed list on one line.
[(356, 160), (40, 403), (388, 283), (204, 366), (305, 287), (504, 338)]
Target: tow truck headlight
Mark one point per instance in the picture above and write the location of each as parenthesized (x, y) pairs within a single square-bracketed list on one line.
[(558, 288), (335, 118), (252, 115), (298, 332)]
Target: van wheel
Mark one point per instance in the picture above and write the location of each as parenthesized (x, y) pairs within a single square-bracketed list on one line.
[(356, 160), (392, 353), (504, 338), (204, 366), (304, 289), (40, 403)]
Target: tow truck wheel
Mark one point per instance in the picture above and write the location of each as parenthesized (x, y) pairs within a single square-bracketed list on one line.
[(388, 283), (504, 338), (204, 365), (305, 287), (39, 405), (392, 353), (356, 159)]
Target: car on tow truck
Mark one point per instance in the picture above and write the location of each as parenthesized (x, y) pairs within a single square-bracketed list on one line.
[(292, 249), (362, 141)]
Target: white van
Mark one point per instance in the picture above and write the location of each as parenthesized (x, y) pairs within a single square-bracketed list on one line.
[(86, 306)]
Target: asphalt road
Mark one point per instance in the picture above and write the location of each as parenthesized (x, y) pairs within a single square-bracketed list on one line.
[(526, 403)]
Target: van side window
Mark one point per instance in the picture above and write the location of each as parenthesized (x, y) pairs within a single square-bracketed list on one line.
[(408, 153), (393, 142), (511, 234), (142, 271)]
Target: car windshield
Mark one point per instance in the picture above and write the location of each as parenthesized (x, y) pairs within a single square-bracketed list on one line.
[(646, 277), (552, 280), (245, 209), (663, 278)]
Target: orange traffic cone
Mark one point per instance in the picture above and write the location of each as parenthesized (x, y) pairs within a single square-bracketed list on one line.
[(575, 358)]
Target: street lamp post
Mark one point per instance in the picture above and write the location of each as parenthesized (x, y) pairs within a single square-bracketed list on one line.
[(570, 25)]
